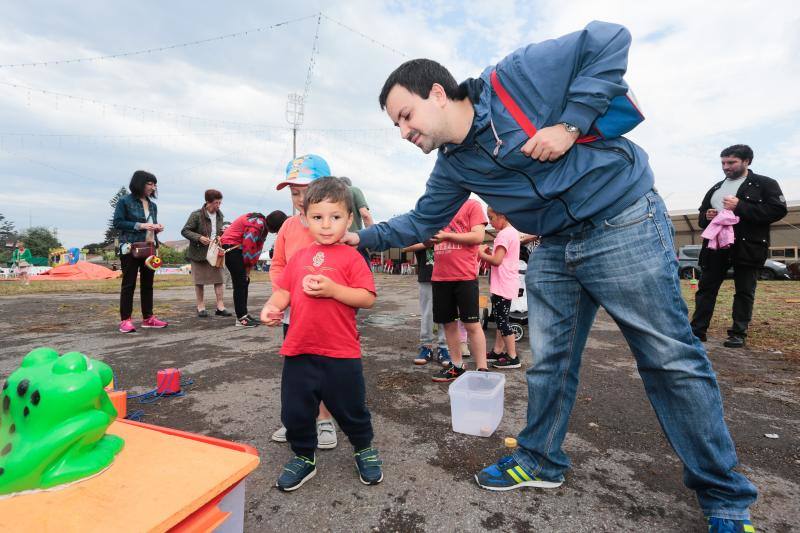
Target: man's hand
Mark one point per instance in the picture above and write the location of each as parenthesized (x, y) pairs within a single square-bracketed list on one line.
[(484, 249), (351, 239), (730, 202), (319, 286), (710, 214), (205, 241), (271, 315), (548, 144)]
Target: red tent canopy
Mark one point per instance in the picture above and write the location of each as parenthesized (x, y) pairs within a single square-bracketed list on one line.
[(80, 270)]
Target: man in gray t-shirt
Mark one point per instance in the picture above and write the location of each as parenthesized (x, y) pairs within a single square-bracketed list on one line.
[(362, 218)]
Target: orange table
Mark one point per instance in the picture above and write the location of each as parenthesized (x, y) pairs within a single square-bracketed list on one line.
[(162, 480)]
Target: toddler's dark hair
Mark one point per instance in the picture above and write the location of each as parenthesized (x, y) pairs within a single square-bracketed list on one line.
[(330, 189)]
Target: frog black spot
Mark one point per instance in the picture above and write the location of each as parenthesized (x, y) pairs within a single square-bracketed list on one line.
[(26, 411), (12, 429), (6, 403), (22, 388), (1, 471), (35, 397), (6, 450), (5, 385)]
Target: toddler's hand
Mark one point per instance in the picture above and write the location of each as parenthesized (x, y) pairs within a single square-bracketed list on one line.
[(318, 286), (271, 315)]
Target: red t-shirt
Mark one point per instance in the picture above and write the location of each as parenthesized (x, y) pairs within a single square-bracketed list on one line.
[(454, 261), (324, 326)]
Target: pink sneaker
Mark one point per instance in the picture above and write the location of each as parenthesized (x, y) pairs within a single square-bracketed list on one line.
[(153, 322), (126, 326)]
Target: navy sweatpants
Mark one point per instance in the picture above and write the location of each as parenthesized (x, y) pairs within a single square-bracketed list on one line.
[(309, 379)]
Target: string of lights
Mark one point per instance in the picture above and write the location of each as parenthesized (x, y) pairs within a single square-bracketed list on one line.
[(312, 61), (233, 126), (365, 36), (120, 55)]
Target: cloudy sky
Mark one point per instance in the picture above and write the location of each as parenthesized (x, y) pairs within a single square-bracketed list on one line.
[(213, 114)]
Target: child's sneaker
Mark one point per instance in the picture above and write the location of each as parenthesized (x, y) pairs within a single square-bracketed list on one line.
[(726, 525), (424, 357), (368, 465), (296, 472), (465, 350), (507, 474), (326, 435), (279, 435), (126, 326), (153, 322), (247, 321), (451, 373), (443, 356), (491, 356), (507, 362)]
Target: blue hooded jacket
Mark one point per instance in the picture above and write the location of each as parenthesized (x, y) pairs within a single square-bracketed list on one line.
[(570, 79)]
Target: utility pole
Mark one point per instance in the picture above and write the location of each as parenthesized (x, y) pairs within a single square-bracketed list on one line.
[(294, 116)]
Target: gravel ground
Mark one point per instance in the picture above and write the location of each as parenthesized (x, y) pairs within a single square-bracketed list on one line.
[(624, 477)]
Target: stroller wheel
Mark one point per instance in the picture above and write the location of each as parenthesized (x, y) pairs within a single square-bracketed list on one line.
[(519, 331)]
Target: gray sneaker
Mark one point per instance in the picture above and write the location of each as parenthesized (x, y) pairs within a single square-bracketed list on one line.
[(326, 434)]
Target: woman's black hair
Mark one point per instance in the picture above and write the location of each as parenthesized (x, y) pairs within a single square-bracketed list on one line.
[(138, 181)]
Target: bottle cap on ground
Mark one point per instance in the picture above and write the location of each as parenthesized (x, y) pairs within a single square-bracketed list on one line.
[(510, 442)]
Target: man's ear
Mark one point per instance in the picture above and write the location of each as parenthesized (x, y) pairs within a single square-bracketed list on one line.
[(438, 94)]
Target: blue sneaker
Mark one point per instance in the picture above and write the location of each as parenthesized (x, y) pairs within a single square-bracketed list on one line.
[(425, 356), (507, 474), (296, 472), (726, 525), (443, 356), (368, 465)]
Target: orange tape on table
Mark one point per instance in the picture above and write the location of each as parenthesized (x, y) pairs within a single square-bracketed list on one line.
[(160, 478)]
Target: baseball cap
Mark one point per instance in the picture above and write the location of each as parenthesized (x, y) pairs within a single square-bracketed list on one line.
[(304, 169)]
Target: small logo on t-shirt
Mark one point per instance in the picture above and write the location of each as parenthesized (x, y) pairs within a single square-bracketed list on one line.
[(318, 259)]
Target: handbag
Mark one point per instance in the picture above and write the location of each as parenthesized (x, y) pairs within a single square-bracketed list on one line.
[(143, 250), (216, 253), (623, 114)]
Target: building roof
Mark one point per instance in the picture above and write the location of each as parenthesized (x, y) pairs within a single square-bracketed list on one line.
[(685, 220)]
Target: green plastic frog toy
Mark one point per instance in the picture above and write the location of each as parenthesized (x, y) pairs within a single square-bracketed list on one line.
[(53, 418)]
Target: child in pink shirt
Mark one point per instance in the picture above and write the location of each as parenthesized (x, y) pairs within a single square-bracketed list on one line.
[(504, 287)]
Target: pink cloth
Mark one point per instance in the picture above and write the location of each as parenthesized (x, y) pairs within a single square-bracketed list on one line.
[(720, 231), (505, 277)]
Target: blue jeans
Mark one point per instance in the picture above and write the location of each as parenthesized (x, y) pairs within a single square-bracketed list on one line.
[(627, 265)]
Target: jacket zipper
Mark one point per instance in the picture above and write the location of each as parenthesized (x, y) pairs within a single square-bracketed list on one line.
[(533, 185)]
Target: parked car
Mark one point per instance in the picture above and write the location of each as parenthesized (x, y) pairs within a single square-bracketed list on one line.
[(689, 268)]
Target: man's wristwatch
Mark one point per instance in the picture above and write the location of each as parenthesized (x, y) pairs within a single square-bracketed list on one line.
[(571, 128)]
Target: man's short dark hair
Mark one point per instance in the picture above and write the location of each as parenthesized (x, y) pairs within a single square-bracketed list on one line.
[(418, 76), (742, 151), (330, 189), (212, 195), (275, 220), (138, 181)]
